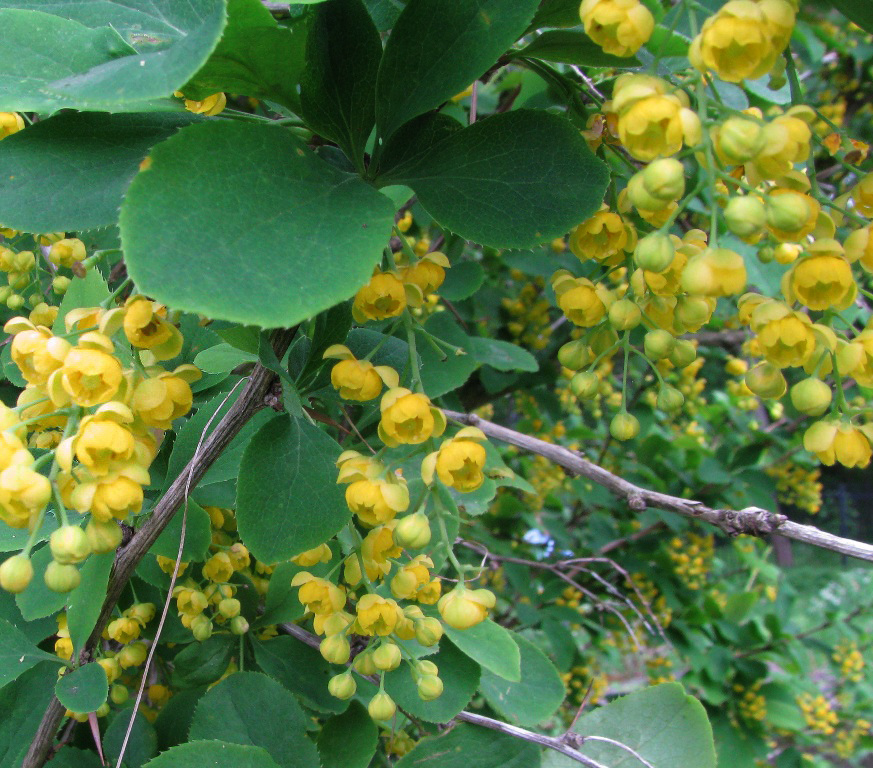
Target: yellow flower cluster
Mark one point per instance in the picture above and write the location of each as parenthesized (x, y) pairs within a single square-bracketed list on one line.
[(818, 713), (387, 294), (797, 486), (104, 422), (692, 558), (850, 661), (751, 704)]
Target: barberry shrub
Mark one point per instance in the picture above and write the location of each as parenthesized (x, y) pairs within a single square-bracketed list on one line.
[(435, 382)]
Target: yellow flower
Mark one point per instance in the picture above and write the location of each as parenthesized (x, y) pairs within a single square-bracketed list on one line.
[(145, 327), (428, 273), (23, 494), (377, 547), (459, 461), (821, 281), (209, 106), (620, 27), (408, 418), (411, 577), (377, 501), (319, 595), (218, 567), (376, 615), (12, 451), (859, 247), (653, 118), (320, 554), (358, 379), (114, 495), (89, 376), (66, 252), (786, 142), (862, 195), (382, 297), (102, 442), (463, 608), (743, 39), (839, 442), (37, 353), (786, 337), (10, 122), (123, 630), (579, 299), (603, 237), (160, 400), (714, 272)]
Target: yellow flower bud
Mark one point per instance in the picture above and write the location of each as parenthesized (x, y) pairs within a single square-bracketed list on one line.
[(16, 573), (132, 655), (342, 686), (69, 545), (382, 707), (123, 630), (463, 608), (335, 649), (412, 531), (766, 381), (811, 396), (61, 578), (160, 400), (429, 687), (624, 426), (387, 657)]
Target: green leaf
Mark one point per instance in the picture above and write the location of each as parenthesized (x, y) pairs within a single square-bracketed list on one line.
[(662, 723), (466, 745), (283, 657), (38, 600), (142, 745), (460, 676), (99, 154), (36, 631), (86, 291), (462, 280), (556, 13), (348, 740), (71, 757), (222, 358), (782, 708), (512, 180), (287, 497), (338, 88), (215, 754), (22, 705), (490, 646), (443, 370), (532, 700), (84, 689), (174, 719), (203, 663), (573, 46), (739, 605), (425, 63), (50, 62), (17, 653), (503, 356), (859, 13), (86, 600), (255, 57), (326, 229), (250, 708), (198, 535)]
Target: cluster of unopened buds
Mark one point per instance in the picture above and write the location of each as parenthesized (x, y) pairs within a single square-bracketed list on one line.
[(95, 408)]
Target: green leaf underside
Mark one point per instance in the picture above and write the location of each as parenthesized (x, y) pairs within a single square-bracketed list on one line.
[(532, 700), (38, 600), (287, 497), (662, 723), (17, 653), (198, 535), (99, 155), (348, 740), (491, 646), (215, 754), (512, 180), (573, 46), (460, 676), (337, 90), (143, 742), (467, 745), (250, 708), (321, 230), (503, 356), (84, 689), (437, 49), (22, 704), (50, 62), (255, 57)]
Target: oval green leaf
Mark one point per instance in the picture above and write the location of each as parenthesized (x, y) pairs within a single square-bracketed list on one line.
[(287, 497), (215, 754), (466, 745), (491, 646), (512, 180), (84, 689), (227, 181)]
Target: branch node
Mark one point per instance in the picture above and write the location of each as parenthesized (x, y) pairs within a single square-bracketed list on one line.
[(636, 502)]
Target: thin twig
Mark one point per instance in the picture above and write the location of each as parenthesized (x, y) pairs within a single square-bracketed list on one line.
[(753, 521)]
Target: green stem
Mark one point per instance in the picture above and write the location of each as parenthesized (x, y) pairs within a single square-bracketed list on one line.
[(444, 535), (107, 302), (415, 371)]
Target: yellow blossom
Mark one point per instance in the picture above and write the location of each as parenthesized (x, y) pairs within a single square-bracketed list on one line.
[(605, 237), (786, 337), (382, 297), (146, 327), (160, 400), (319, 595), (10, 122), (23, 494), (459, 461), (583, 302), (821, 280), (377, 615), (408, 418), (377, 501), (620, 27), (89, 376), (841, 442), (320, 554)]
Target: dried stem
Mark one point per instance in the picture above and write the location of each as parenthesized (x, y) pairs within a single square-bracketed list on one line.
[(753, 521)]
